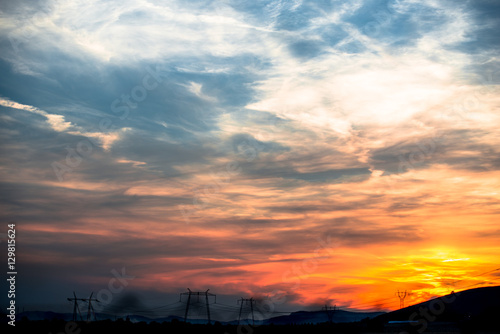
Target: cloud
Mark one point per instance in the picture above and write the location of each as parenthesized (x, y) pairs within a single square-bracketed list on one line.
[(59, 124), (238, 133)]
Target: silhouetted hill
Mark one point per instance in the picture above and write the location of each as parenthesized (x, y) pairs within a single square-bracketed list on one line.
[(39, 315), (314, 317), (300, 317), (469, 310), (466, 303)]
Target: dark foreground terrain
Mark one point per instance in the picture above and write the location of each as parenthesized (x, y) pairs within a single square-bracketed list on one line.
[(474, 311), (478, 326)]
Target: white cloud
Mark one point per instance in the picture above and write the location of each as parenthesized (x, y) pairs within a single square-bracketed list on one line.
[(196, 89), (59, 124), (128, 31), (56, 122)]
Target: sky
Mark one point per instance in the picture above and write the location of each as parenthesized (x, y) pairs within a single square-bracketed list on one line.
[(299, 152)]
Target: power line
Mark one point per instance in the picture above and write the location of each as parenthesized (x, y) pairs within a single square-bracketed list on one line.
[(178, 306), (229, 308), (372, 302), (76, 307), (487, 272), (246, 301), (198, 294), (330, 311), (158, 307), (376, 301)]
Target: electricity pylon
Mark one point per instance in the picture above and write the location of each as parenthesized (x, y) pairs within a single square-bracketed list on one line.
[(198, 294), (329, 311), (246, 301), (76, 307), (91, 308), (401, 295)]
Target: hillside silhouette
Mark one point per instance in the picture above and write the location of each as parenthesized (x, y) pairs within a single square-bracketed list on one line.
[(470, 311)]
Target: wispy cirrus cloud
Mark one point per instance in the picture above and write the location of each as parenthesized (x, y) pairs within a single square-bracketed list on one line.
[(271, 125), (58, 123)]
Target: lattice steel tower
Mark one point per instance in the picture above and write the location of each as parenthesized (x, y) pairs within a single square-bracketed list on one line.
[(198, 294)]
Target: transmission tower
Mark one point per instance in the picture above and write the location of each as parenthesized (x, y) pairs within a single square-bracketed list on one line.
[(246, 301), (198, 294), (329, 311), (401, 295), (76, 307), (91, 308)]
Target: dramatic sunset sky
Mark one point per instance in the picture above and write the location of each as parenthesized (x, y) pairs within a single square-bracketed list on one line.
[(327, 151)]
